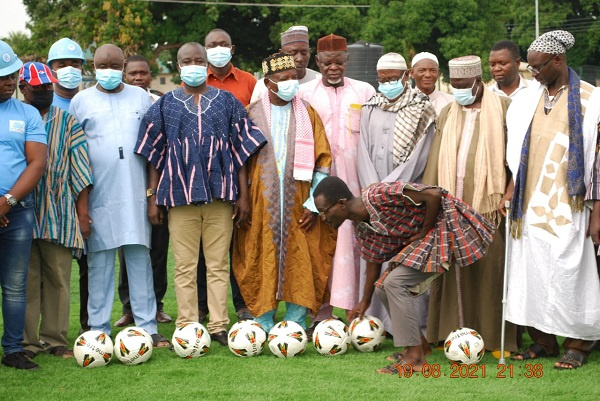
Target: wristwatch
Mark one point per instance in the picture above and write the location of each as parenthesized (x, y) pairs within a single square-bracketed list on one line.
[(150, 192), (11, 200)]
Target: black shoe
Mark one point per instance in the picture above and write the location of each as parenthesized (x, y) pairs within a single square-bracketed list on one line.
[(244, 314), (311, 329), (18, 360), (220, 337)]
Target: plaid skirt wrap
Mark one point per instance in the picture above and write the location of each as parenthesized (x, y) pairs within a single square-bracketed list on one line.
[(460, 235)]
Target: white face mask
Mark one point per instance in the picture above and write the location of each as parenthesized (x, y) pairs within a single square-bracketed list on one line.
[(219, 56), (465, 97), (69, 77)]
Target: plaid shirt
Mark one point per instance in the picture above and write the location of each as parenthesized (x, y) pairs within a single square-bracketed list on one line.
[(460, 235)]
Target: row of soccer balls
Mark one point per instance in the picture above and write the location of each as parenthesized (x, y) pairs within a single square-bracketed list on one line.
[(246, 338)]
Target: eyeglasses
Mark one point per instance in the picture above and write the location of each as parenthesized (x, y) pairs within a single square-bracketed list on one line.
[(538, 69), (322, 214)]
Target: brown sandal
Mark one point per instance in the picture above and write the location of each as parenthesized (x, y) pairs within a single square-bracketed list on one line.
[(391, 369), (573, 358), (536, 350), (61, 351)]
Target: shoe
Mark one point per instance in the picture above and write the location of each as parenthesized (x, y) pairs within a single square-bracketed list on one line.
[(201, 317), (61, 351), (158, 341), (162, 317), (311, 329), (29, 354), (220, 337), (84, 329), (244, 314), (18, 360), (125, 320)]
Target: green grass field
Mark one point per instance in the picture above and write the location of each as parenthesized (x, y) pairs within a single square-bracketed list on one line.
[(221, 376)]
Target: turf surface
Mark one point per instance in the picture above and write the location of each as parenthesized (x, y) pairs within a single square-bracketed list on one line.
[(221, 376)]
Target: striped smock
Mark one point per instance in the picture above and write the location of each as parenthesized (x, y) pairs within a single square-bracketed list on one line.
[(68, 172)]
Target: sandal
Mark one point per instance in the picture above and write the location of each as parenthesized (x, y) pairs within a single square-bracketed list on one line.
[(391, 369), (29, 354), (61, 351), (536, 350), (571, 357), (159, 341)]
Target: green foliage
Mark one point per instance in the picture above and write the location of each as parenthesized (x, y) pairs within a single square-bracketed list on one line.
[(448, 28)]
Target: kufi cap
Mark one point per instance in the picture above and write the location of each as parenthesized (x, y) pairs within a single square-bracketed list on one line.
[(553, 42), (36, 74), (424, 56), (298, 33), (332, 43), (391, 61), (278, 62), (465, 67)]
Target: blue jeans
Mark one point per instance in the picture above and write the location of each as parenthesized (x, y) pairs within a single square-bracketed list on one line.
[(15, 246)]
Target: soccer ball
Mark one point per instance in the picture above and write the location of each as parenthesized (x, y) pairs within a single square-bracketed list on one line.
[(246, 338), (367, 335), (331, 337), (191, 340), (464, 346), (133, 345), (93, 349), (287, 339)]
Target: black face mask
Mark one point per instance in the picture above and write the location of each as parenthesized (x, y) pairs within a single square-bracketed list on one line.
[(42, 100)]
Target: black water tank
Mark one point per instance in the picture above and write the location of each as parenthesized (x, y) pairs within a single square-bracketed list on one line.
[(363, 61)]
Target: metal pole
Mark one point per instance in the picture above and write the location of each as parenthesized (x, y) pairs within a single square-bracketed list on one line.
[(502, 361), (537, 20)]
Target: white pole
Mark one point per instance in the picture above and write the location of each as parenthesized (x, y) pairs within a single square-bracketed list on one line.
[(537, 20), (502, 361)]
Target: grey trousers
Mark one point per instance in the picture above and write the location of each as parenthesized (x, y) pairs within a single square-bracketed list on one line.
[(402, 305)]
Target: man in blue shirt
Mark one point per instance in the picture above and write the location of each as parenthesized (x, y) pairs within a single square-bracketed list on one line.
[(23, 162)]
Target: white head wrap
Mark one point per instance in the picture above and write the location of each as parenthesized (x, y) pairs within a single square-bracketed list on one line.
[(424, 56), (553, 42), (391, 61)]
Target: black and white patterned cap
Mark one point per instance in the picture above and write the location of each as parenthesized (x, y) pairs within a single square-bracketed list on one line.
[(553, 42)]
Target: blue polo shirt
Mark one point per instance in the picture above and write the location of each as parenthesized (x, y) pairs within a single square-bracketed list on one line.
[(19, 123), (61, 102)]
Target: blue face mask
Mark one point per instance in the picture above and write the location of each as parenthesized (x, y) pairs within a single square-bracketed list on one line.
[(69, 77), (286, 90), (193, 75), (392, 89), (108, 78), (465, 97), (219, 56)]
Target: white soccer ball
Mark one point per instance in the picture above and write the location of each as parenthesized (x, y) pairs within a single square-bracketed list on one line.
[(133, 345), (246, 338), (191, 340), (287, 339), (331, 337), (367, 335), (464, 346), (93, 349)]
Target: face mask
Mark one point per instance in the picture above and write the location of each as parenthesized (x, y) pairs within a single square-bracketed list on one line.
[(108, 78), (286, 90), (193, 75), (42, 100), (219, 56), (465, 97), (69, 77), (392, 90)]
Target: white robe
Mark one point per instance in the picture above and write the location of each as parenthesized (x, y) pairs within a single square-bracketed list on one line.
[(553, 282), (117, 201)]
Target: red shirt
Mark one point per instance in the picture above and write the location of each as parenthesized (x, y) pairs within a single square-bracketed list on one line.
[(239, 83)]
